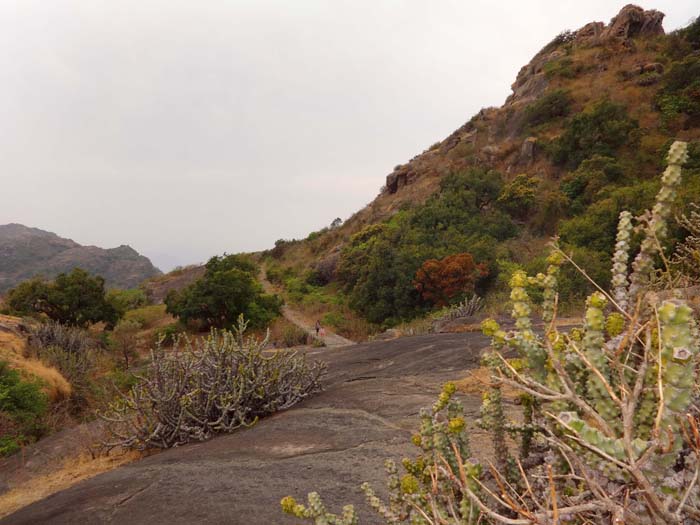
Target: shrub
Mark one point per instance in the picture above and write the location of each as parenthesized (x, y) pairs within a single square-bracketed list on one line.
[(53, 334), (124, 340), (519, 196), (22, 407), (441, 281), (550, 106), (686, 259), (167, 335), (146, 316), (602, 130), (681, 90), (125, 300), (227, 290), (610, 430), (70, 350), (377, 265), (294, 336), (211, 386), (76, 299)]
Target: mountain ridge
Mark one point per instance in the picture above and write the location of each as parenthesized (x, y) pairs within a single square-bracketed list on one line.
[(27, 252)]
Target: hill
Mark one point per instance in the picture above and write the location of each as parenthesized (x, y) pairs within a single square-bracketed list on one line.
[(28, 252), (582, 136)]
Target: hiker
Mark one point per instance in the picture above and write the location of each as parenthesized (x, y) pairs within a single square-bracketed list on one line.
[(318, 327)]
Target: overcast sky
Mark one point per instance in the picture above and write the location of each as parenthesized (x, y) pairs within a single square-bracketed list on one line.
[(190, 128)]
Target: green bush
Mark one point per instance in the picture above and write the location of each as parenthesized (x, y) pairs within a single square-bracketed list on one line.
[(680, 93), (75, 298), (600, 131), (377, 265), (227, 290), (548, 107), (23, 405), (519, 196), (125, 300)]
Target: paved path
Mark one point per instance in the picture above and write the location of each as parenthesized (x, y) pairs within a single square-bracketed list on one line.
[(331, 339), (331, 443)]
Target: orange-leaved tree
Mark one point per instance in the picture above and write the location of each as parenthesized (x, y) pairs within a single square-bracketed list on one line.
[(441, 280)]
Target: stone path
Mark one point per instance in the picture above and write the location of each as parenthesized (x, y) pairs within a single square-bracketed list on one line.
[(331, 339), (330, 443)]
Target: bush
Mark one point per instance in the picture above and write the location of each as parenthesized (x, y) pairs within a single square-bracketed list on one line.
[(600, 131), (377, 265), (680, 93), (519, 196), (294, 336), (125, 300), (550, 106), (439, 282), (22, 407), (76, 299), (146, 316), (208, 387), (227, 290), (70, 350), (124, 339), (167, 335), (53, 334)]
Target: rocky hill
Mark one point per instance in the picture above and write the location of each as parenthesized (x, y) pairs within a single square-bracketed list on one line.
[(582, 136), (28, 252)]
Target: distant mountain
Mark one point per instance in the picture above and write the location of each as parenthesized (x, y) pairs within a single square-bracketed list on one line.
[(28, 252)]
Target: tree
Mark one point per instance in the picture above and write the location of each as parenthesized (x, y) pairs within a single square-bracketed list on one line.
[(227, 290), (124, 339), (441, 281), (75, 299), (519, 196)]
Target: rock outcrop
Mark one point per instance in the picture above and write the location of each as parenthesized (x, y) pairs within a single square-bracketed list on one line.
[(633, 21)]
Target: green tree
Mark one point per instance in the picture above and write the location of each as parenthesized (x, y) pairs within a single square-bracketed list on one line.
[(74, 298), (519, 196), (227, 290)]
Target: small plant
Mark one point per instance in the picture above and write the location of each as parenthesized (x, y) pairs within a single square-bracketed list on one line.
[(211, 386), (124, 340), (294, 336), (466, 308)]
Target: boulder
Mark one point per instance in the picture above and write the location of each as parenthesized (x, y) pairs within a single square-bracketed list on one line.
[(632, 21), (527, 150)]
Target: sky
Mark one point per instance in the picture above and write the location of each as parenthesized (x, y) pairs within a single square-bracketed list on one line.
[(191, 128)]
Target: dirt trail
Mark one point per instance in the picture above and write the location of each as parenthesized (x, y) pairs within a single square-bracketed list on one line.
[(331, 339)]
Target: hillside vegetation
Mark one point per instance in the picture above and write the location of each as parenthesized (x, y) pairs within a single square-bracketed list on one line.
[(579, 140)]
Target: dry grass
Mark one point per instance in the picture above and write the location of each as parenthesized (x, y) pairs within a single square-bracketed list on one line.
[(73, 471), (13, 347)]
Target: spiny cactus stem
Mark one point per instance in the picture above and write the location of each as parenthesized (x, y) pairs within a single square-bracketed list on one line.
[(597, 372), (597, 286)]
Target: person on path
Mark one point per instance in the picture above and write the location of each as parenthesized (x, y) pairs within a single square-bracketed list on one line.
[(318, 327)]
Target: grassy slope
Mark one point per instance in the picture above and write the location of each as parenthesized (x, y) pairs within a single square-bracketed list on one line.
[(494, 137)]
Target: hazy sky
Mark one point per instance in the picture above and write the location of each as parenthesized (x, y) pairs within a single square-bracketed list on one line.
[(189, 128)]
